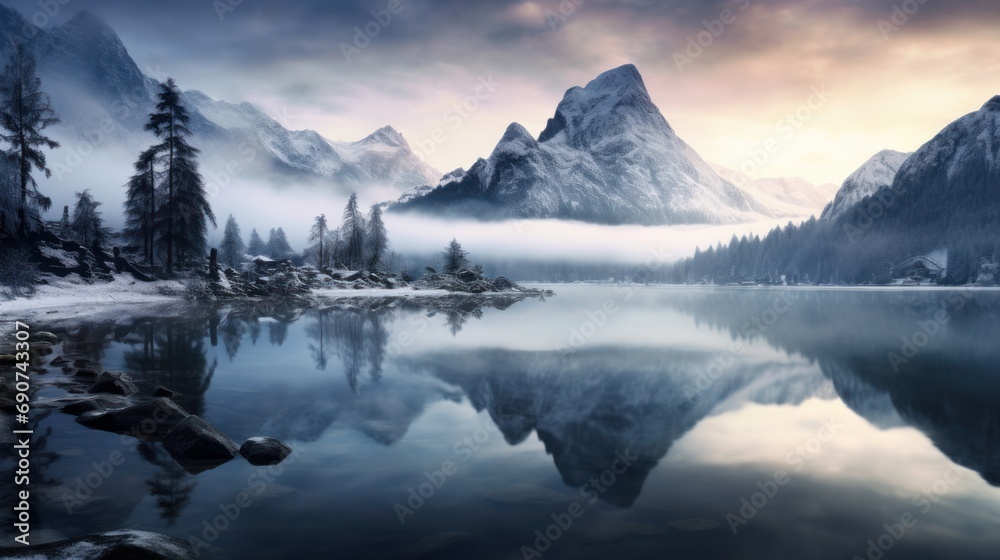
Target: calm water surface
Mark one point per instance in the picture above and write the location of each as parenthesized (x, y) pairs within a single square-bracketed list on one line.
[(606, 421)]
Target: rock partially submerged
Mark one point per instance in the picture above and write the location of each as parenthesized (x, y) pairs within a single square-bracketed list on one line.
[(149, 419), (261, 451), (113, 383), (126, 544), (198, 446)]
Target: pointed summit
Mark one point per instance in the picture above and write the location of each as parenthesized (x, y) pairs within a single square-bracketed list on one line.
[(614, 100), (607, 156), (386, 135), (515, 139), (618, 79)]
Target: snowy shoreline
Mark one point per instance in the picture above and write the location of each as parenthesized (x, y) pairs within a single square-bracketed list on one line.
[(61, 300)]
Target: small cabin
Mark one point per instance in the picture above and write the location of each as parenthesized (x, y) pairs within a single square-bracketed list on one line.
[(920, 268)]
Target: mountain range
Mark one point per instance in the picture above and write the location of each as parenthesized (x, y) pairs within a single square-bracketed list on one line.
[(607, 156), (876, 173), (103, 99), (929, 216)]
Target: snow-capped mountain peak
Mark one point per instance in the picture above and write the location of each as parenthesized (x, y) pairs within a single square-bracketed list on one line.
[(387, 136), (876, 173), (95, 83), (607, 156)]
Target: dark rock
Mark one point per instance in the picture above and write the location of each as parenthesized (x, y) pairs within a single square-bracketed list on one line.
[(45, 337), (352, 277), (198, 446), (126, 544), (59, 361), (466, 275), (114, 384), (89, 373), (146, 419), (162, 392), (260, 451), (7, 360), (82, 363), (502, 284), (89, 403)]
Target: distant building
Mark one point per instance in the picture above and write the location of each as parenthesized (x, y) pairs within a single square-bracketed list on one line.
[(927, 267)]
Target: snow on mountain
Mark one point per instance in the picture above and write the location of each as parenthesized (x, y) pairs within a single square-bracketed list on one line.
[(103, 98), (789, 197), (606, 156), (383, 157), (965, 153), (876, 173)]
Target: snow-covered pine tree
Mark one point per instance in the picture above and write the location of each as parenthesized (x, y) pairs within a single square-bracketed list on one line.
[(319, 234), (24, 112), (277, 245), (182, 220), (232, 249), (377, 240), (352, 229), (256, 246), (86, 223), (454, 257), (140, 203)]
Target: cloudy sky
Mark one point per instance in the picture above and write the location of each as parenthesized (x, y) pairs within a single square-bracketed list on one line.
[(724, 73)]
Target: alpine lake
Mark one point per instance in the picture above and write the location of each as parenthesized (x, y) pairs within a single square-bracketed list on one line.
[(606, 421)]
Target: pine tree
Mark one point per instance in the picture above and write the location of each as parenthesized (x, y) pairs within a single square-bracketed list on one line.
[(232, 249), (86, 223), (182, 220), (256, 246), (353, 231), (454, 257), (319, 234), (277, 245), (140, 203), (24, 112), (377, 239)]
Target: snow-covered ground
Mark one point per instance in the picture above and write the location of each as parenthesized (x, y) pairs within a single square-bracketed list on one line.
[(71, 298), (67, 298)]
